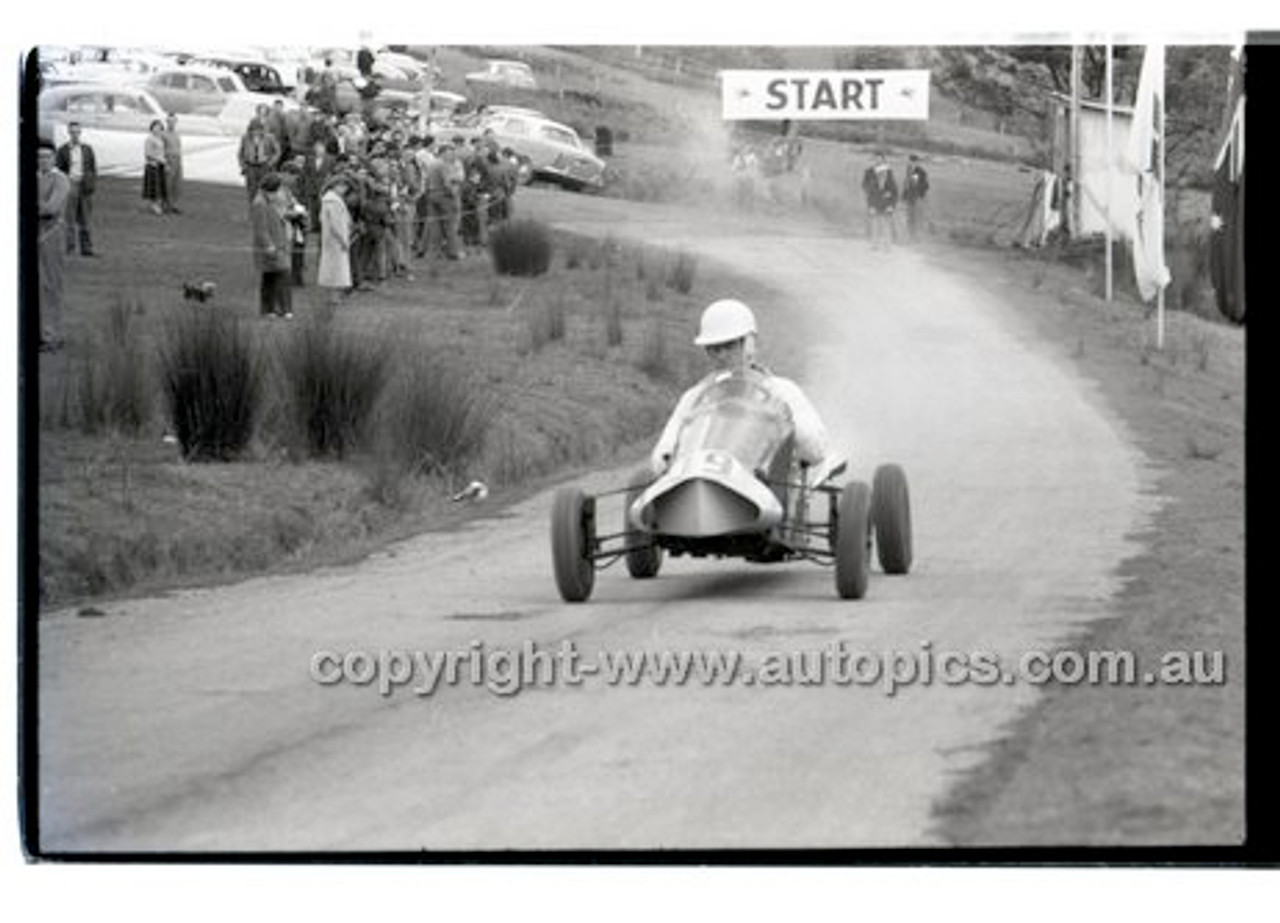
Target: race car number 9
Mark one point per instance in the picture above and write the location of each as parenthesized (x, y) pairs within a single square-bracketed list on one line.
[(717, 463)]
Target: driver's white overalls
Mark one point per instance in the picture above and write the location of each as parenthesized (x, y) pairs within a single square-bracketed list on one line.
[(810, 445)]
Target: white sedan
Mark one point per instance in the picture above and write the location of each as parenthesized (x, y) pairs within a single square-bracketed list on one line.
[(115, 119)]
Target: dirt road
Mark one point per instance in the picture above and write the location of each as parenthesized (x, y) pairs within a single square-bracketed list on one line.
[(190, 722)]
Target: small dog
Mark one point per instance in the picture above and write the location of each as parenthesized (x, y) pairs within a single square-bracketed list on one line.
[(198, 291)]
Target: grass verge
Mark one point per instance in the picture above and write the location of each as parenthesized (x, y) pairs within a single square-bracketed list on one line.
[(329, 463)]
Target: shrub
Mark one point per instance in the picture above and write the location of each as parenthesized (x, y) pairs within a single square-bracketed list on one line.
[(113, 387), (212, 383), (435, 418), (333, 379), (521, 248)]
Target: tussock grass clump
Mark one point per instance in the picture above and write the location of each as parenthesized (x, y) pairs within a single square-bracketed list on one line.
[(545, 321), (655, 358), (612, 323), (521, 248), (436, 415), (212, 382), (684, 270), (115, 391), (642, 264), (333, 378), (578, 253), (1199, 449), (612, 309)]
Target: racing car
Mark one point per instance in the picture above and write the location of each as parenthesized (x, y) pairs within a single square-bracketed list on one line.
[(732, 489)]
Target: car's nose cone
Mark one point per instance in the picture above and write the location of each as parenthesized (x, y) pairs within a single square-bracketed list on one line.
[(700, 507)]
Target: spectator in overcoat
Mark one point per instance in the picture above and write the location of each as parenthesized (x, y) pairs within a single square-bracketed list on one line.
[(52, 190), (335, 239), (272, 247)]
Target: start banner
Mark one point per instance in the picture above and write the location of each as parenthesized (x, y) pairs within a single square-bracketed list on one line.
[(791, 94)]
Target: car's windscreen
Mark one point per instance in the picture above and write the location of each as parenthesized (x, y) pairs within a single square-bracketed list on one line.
[(738, 415), (560, 136), (121, 102)]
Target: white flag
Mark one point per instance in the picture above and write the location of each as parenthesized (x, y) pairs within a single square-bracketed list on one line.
[(1143, 159)]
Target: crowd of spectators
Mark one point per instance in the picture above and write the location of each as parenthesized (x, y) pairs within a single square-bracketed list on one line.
[(407, 195)]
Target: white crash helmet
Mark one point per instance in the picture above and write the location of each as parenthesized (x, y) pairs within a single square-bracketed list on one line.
[(725, 321)]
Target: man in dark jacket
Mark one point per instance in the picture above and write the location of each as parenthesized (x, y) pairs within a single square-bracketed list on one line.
[(914, 189), (881, 190), (259, 153), (77, 161)]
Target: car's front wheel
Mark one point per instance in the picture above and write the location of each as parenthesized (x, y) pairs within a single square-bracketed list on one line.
[(853, 541), (572, 540), (891, 517)]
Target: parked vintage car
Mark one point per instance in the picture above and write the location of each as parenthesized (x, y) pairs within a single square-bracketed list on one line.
[(211, 91), (258, 76), (195, 90), (114, 119), (554, 152), (352, 91), (499, 73), (96, 106), (98, 65)]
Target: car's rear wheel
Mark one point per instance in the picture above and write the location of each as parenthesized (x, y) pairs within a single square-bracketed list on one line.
[(572, 539), (853, 541), (644, 557), (891, 517)]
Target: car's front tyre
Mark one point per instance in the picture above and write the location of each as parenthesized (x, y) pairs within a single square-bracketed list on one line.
[(891, 518), (852, 539), (572, 540)]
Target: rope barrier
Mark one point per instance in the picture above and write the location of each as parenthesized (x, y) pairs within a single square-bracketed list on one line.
[(169, 242)]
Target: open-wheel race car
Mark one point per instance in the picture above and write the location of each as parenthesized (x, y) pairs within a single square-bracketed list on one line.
[(732, 490)]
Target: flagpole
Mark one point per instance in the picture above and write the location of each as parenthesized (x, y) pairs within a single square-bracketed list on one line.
[(1072, 215), (1160, 179), (1110, 166)]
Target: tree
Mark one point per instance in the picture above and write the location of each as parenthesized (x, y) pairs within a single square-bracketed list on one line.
[(873, 57), (1055, 60), (1196, 80)]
